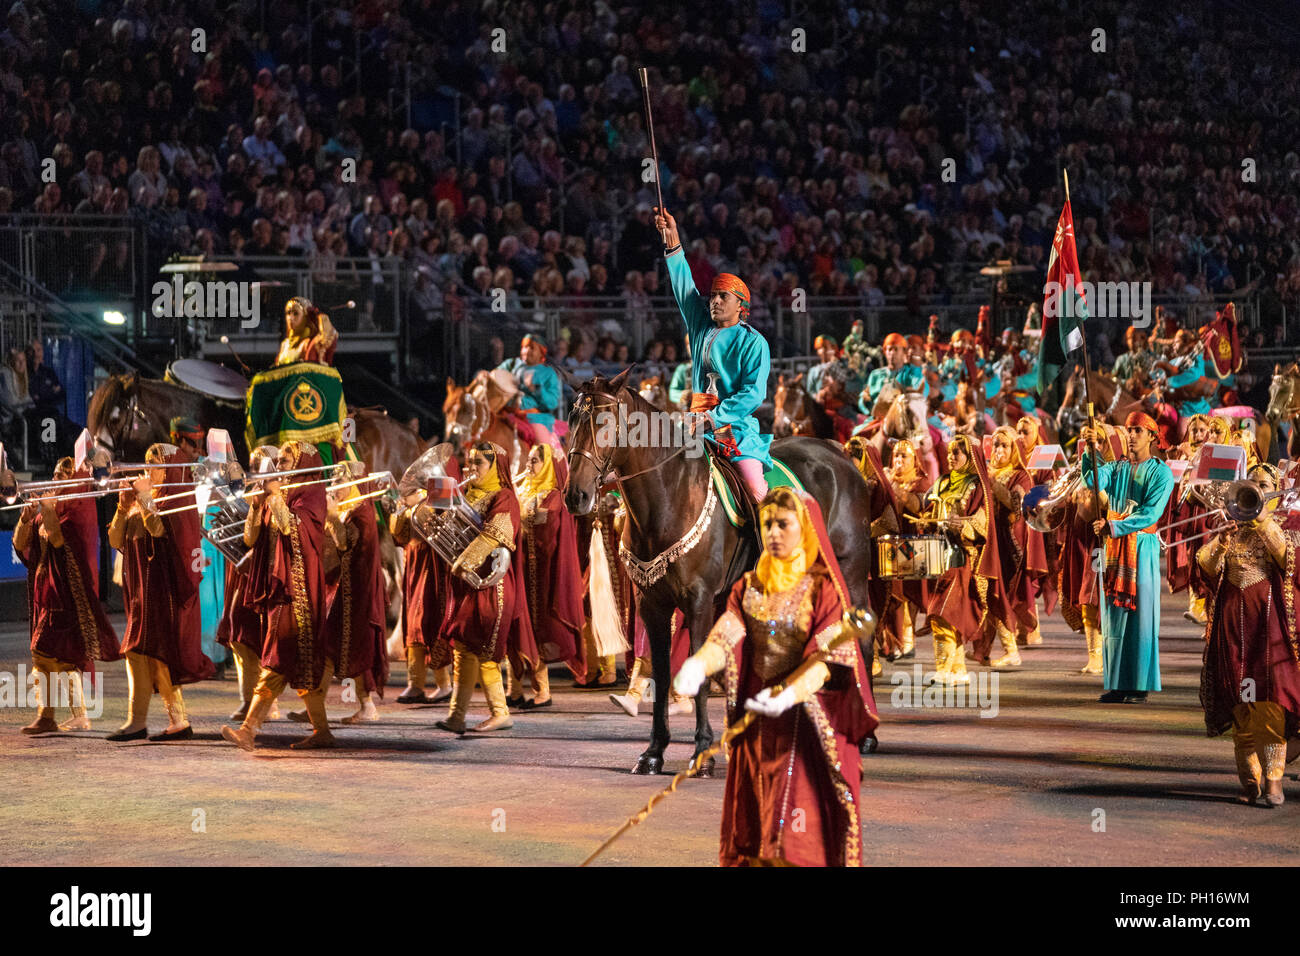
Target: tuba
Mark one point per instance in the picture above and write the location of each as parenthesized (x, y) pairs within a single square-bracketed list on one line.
[(441, 516)]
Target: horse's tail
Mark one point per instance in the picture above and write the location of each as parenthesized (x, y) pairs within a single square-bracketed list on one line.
[(107, 397)]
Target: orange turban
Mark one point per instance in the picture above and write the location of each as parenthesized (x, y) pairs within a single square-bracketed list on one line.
[(726, 282), (1142, 420), (894, 339)]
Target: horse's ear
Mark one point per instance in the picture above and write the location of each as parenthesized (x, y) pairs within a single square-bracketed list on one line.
[(451, 385), (1277, 368), (569, 379), (414, 426), (617, 383)]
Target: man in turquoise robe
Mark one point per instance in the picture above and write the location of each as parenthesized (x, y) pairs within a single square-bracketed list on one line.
[(728, 352), (539, 384), (1186, 369), (1138, 490), (898, 369)]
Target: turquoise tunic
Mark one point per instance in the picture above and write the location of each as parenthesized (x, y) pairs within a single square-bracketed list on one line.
[(1194, 372), (541, 399), (1131, 650), (680, 384), (212, 596), (909, 377), (738, 355)]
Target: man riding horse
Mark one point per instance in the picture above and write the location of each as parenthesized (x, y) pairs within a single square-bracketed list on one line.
[(729, 365)]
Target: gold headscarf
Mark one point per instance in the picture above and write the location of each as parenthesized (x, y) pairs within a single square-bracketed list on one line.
[(909, 476), (1221, 430), (1209, 427), (541, 484), (489, 484), (781, 574), (1016, 460)]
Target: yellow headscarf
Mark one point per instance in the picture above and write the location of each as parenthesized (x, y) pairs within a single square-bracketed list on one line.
[(1209, 427), (1016, 460), (541, 484), (489, 484), (781, 574), (961, 479)]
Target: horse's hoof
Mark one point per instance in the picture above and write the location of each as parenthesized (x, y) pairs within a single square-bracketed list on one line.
[(647, 764), (870, 745), (706, 769)]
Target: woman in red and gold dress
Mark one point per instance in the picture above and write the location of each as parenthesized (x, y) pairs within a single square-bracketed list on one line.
[(242, 626), (1020, 547), (1250, 677), (308, 334), (285, 529), (487, 623), (426, 591), (355, 623), (886, 519), (56, 540), (551, 571), (160, 582), (967, 601), (801, 751)]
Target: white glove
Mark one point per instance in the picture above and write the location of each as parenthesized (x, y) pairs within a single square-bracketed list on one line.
[(768, 706), (690, 678)]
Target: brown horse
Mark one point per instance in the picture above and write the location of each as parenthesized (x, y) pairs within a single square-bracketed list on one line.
[(468, 418), (795, 412), (670, 504)]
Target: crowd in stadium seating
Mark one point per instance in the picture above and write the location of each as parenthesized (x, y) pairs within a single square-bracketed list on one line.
[(822, 169)]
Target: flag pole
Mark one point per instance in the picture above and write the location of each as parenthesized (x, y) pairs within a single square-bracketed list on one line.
[(1092, 417)]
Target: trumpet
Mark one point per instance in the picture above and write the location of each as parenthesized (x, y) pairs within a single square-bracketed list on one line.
[(1044, 505)]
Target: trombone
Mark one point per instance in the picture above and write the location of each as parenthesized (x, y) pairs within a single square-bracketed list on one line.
[(1243, 502)]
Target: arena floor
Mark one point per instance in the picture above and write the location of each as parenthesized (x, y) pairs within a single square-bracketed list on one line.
[(948, 787)]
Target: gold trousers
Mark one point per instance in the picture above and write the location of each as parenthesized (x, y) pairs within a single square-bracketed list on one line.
[(271, 685), (144, 674), (48, 687), (949, 652), (1259, 739), (471, 669), (248, 666)]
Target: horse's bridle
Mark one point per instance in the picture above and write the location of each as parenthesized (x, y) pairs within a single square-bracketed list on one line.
[(587, 406)]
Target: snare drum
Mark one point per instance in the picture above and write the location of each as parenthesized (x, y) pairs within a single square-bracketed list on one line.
[(916, 556)]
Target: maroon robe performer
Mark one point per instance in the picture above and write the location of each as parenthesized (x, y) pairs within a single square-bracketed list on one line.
[(487, 623), (1020, 548), (355, 622), (966, 600), (551, 571), (1077, 580), (887, 519), (161, 569), (56, 541), (1250, 680), (242, 626), (426, 595), (286, 529), (802, 749)]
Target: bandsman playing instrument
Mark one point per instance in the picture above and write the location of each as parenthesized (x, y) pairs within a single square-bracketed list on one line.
[(1250, 680), (161, 561), (969, 597), (56, 541), (488, 622), (287, 585), (554, 580), (1184, 505), (1024, 558), (354, 624)]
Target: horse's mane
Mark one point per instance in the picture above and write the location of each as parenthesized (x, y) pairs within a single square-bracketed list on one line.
[(106, 396)]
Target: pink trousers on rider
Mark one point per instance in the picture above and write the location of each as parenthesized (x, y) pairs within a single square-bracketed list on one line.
[(752, 471)]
